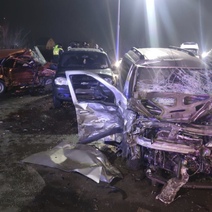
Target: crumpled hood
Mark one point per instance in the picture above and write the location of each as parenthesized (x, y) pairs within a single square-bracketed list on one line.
[(173, 107)]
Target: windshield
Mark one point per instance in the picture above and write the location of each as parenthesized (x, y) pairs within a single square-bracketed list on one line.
[(85, 60), (176, 80)]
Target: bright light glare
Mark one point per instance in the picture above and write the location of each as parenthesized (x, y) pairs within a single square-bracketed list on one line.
[(204, 54), (117, 63), (111, 29), (152, 24), (118, 31), (166, 18), (58, 156)]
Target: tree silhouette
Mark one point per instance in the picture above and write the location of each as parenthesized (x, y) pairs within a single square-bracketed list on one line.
[(11, 38)]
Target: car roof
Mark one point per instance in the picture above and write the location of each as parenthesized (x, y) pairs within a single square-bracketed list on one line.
[(166, 57), (84, 50)]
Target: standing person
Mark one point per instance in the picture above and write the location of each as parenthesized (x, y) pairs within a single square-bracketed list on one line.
[(57, 51)]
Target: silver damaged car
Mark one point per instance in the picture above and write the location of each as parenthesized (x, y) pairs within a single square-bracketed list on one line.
[(161, 115)]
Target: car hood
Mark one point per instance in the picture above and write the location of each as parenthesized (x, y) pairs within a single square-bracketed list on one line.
[(106, 71)]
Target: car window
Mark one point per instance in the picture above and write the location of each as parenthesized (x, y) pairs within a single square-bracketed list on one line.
[(86, 60), (19, 64), (88, 88), (9, 63)]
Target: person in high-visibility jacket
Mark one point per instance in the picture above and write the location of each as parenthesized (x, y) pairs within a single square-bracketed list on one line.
[(57, 51)]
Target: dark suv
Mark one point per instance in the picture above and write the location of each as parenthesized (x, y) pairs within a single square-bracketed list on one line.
[(86, 59)]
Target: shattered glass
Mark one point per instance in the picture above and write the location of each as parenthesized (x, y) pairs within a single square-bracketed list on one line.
[(175, 80)]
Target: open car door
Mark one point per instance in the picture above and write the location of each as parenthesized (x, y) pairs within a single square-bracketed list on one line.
[(99, 107)]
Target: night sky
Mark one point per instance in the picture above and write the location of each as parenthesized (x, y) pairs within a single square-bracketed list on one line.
[(176, 21)]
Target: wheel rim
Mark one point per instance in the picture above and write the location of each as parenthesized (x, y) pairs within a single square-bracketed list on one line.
[(1, 87)]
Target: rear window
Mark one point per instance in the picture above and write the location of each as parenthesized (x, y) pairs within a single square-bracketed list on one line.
[(84, 60)]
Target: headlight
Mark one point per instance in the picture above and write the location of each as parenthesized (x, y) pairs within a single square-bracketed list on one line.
[(109, 80), (60, 81)]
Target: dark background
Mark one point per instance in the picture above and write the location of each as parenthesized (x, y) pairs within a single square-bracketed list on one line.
[(96, 21)]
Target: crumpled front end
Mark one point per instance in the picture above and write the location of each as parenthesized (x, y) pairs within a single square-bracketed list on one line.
[(185, 139), (173, 126), (165, 122)]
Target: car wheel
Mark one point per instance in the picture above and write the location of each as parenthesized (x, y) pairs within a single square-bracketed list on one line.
[(57, 103), (2, 87)]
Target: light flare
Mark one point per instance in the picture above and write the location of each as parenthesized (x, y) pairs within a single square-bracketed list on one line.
[(152, 23)]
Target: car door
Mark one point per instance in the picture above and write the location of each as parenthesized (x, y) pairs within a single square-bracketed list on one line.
[(22, 73), (99, 107)]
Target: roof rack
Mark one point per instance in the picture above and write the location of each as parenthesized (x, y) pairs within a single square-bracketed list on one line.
[(141, 56), (182, 50), (83, 44)]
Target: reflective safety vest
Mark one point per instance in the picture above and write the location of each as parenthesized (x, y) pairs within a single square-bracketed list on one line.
[(57, 50)]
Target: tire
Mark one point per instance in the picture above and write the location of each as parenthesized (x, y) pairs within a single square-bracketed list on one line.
[(2, 87), (56, 102)]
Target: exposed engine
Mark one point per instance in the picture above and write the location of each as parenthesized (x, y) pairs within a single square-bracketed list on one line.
[(173, 137), (167, 147)]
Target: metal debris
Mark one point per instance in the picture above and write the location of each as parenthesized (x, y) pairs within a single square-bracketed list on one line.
[(173, 185), (84, 159)]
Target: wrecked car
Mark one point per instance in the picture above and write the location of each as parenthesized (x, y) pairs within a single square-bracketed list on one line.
[(24, 68), (160, 116)]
